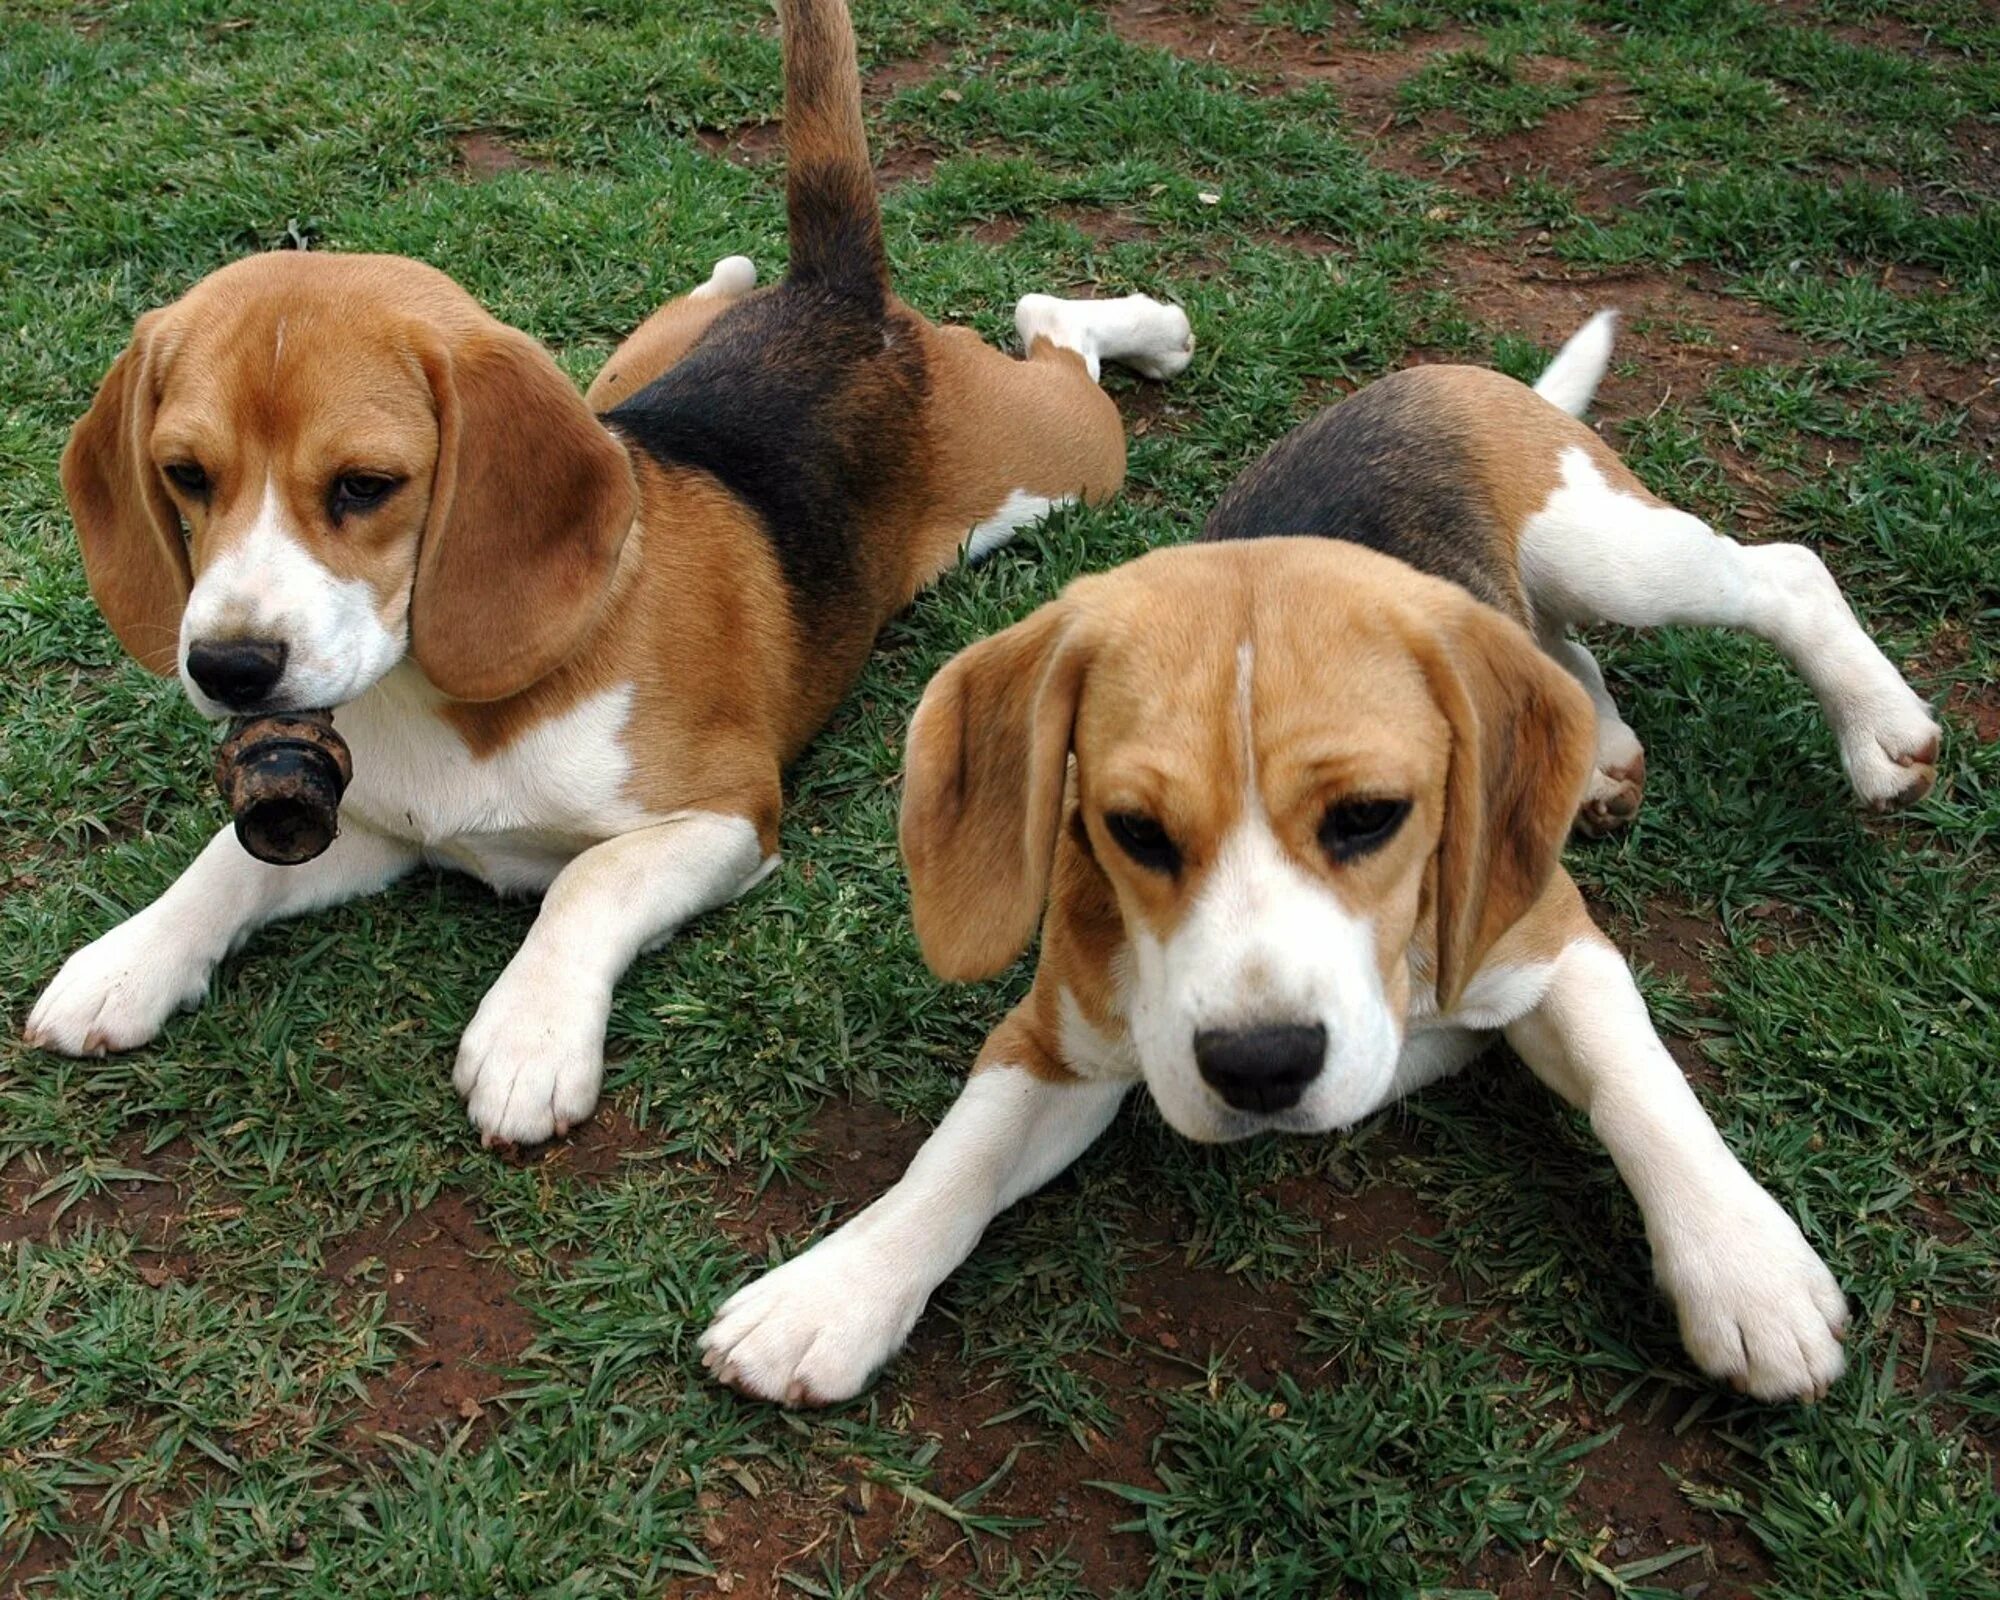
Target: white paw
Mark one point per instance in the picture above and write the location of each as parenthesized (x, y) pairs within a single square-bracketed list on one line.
[(530, 1065), (1888, 738), (1758, 1309), (1890, 747), (1161, 341), (115, 993), (733, 277), (818, 1328)]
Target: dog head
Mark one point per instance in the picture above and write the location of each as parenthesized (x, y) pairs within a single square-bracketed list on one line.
[(311, 466), (1313, 778)]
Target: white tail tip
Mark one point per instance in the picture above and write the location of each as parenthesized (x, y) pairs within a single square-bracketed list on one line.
[(1572, 378)]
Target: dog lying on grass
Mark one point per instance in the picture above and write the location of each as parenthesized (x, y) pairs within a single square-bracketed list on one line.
[(571, 640), (1289, 811)]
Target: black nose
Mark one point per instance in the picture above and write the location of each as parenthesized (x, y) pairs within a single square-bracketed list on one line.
[(1261, 1069), (236, 672)]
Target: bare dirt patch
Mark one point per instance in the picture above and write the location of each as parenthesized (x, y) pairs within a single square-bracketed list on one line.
[(1105, 227), (1973, 389), (857, 1150), (906, 163), (880, 83), (457, 1305), (1230, 35), (484, 154), (1562, 148), (1677, 944), (149, 1209), (1225, 34), (47, 1554), (757, 144), (856, 1512), (596, 1150), (760, 143), (1632, 1494), (748, 144), (1147, 408), (1979, 706)]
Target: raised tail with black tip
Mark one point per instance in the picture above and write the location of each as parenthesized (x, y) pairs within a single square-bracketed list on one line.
[(834, 218)]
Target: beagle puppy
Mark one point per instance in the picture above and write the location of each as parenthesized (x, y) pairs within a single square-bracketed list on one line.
[(572, 640), (1294, 807)]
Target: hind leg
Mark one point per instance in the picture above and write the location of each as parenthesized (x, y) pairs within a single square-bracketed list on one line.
[(1604, 550), (1619, 779), (664, 337), (1137, 331)]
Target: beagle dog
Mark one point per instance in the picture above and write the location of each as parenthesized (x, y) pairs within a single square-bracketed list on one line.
[(1294, 806), (572, 640)]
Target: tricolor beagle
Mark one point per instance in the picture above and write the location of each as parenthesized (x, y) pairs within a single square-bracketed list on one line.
[(1305, 857), (572, 640)]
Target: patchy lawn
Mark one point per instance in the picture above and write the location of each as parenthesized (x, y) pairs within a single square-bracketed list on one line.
[(270, 1321)]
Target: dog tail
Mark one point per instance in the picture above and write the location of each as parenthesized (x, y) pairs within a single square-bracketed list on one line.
[(833, 216), (1572, 378)]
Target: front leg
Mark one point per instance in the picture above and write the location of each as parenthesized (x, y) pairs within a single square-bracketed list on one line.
[(816, 1329), (1757, 1306), (530, 1065), (115, 993)]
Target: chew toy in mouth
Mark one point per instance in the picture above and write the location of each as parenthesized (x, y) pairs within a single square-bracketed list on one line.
[(282, 777)]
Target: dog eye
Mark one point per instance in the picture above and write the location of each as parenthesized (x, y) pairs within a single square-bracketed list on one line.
[(1354, 827), (359, 491), (187, 477), (1144, 840)]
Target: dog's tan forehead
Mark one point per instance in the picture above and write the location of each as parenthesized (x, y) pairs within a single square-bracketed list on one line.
[(1207, 657), (308, 354)]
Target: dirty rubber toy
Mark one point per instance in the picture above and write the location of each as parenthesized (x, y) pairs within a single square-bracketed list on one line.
[(282, 777)]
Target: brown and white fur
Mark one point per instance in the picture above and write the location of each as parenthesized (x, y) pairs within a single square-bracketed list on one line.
[(571, 640), (1290, 810)]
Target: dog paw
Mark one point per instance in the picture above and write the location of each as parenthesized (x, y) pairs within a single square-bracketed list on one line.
[(815, 1330), (1611, 800), (1757, 1307), (1891, 755), (1162, 340), (530, 1065), (117, 992)]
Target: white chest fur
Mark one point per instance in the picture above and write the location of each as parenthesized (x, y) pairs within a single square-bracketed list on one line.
[(1090, 1052), (1435, 1047), (513, 817)]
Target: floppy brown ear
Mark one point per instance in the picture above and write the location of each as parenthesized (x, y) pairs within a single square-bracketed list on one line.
[(130, 533), (530, 506), (983, 792), (1522, 742)]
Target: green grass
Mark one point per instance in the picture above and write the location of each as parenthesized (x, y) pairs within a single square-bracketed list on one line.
[(203, 1411)]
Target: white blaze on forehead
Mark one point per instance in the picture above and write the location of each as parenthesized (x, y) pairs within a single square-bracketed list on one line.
[(1246, 659), (268, 585)]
